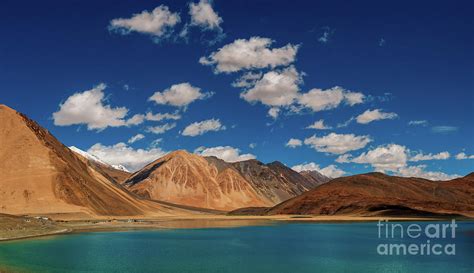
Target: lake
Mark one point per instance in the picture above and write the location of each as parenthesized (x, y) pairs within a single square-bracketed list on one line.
[(272, 248)]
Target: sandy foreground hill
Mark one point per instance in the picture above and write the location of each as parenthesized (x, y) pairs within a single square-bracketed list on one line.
[(39, 175)]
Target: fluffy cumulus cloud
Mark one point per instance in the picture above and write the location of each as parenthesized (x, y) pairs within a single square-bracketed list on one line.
[(337, 143), (394, 158), (463, 155), (373, 115), (254, 53), (121, 154), (160, 129), (203, 15), (419, 171), (199, 128), (90, 108), (331, 171), (319, 125), (179, 95), (294, 142), (157, 23), (430, 156), (275, 88), (384, 158), (226, 153), (136, 138), (319, 100)]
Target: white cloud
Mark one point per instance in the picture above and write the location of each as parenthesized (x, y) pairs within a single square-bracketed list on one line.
[(252, 145), (345, 158), (331, 171), (157, 23), (389, 157), (89, 108), (226, 153), (372, 115), (136, 138), (247, 80), (419, 171), (179, 95), (203, 15), (121, 154), (463, 155), (293, 143), (326, 35), (444, 129), (275, 88), (319, 100), (274, 112), (199, 128), (162, 116), (418, 122), (319, 125), (160, 129), (394, 158), (253, 53), (430, 156), (337, 143)]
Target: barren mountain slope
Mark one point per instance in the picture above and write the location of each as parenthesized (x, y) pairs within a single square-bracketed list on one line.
[(189, 179), (380, 194), (275, 181), (39, 175)]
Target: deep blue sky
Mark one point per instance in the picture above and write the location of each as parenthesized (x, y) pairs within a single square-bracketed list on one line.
[(52, 49)]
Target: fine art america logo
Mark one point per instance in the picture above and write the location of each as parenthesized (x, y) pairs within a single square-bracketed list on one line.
[(416, 239)]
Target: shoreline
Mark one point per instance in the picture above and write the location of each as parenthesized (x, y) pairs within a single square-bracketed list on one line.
[(206, 221)]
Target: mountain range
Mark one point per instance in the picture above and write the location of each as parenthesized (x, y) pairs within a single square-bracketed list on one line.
[(40, 175)]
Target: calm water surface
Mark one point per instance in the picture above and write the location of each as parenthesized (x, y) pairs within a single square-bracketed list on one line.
[(287, 247)]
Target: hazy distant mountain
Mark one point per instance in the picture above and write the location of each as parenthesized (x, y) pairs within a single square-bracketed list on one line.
[(380, 194), (38, 174)]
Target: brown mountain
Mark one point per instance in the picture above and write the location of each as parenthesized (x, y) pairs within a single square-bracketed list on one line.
[(380, 194), (189, 179), (39, 175), (275, 181)]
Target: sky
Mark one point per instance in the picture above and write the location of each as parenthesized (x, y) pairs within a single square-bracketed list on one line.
[(341, 87)]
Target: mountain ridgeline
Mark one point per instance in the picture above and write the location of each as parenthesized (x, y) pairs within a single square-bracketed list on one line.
[(39, 175), (209, 182)]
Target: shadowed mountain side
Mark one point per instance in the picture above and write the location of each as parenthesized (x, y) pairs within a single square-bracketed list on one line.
[(275, 181), (39, 175), (379, 194)]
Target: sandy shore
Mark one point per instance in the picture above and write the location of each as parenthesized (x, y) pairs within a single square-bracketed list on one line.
[(192, 221)]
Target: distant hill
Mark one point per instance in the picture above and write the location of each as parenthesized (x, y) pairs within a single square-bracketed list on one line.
[(376, 194)]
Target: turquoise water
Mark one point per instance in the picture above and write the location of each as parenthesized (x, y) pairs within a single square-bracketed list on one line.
[(292, 247)]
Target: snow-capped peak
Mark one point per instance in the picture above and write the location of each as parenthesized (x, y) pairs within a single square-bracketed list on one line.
[(95, 158), (120, 167)]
